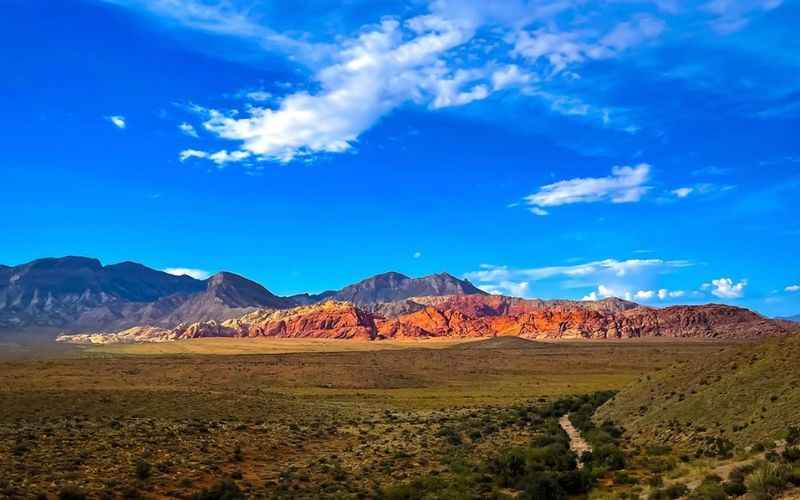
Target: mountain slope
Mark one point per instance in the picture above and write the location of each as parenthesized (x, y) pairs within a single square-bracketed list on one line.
[(58, 291), (746, 394), (81, 293), (481, 316), (477, 316), (392, 286)]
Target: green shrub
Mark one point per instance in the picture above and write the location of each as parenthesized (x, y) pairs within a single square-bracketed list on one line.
[(708, 491), (734, 489), (143, 470), (768, 480), (669, 493), (543, 486), (71, 493), (608, 456), (793, 435), (791, 454)]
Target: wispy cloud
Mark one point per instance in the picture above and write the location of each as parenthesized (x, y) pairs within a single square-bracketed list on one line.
[(662, 294), (117, 120), (682, 192), (625, 185), (188, 129), (733, 15), (221, 158), (197, 274), (792, 288), (502, 279)]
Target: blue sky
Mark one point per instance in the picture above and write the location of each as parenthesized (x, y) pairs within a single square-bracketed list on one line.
[(546, 149)]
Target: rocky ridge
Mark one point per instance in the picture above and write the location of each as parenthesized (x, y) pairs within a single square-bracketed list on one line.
[(473, 316)]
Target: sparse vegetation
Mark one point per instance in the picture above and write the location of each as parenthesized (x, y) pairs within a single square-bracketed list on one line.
[(404, 423)]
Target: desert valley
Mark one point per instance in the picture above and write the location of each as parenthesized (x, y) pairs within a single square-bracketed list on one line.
[(399, 250), (121, 381)]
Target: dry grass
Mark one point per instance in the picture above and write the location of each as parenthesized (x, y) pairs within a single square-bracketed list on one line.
[(338, 417)]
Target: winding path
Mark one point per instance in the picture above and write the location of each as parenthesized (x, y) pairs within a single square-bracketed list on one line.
[(576, 443)]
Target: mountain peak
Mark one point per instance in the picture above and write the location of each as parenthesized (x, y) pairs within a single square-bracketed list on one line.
[(393, 286), (67, 262)]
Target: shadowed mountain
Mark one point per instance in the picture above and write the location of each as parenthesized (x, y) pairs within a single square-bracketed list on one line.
[(79, 292), (392, 287)]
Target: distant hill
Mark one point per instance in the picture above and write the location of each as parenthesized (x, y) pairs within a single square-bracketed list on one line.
[(795, 318), (506, 322), (746, 394), (79, 292), (392, 287)]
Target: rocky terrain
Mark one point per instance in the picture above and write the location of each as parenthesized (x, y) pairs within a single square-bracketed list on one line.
[(392, 287), (79, 293), (747, 394), (471, 316), (129, 302)]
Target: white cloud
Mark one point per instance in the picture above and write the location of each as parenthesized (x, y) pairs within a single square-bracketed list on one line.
[(512, 288), (565, 48), (625, 185), (792, 288), (605, 292), (188, 129), (590, 297), (117, 120), (258, 96), (417, 255), (733, 15), (197, 274), (619, 268), (664, 294), (625, 273), (192, 153), (725, 288), (220, 157), (510, 76), (682, 192), (539, 211), (370, 76), (433, 59)]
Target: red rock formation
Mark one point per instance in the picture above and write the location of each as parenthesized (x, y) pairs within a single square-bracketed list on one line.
[(335, 320), (474, 316)]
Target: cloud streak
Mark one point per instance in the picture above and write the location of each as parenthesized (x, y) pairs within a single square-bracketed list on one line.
[(626, 184)]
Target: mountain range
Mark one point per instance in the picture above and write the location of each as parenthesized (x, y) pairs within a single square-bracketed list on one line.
[(130, 302), (77, 293)]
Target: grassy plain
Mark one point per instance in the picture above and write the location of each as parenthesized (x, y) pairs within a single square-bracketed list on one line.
[(286, 418)]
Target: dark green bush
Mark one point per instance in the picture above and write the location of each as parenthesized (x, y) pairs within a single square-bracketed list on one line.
[(71, 493), (143, 470), (734, 489), (708, 491)]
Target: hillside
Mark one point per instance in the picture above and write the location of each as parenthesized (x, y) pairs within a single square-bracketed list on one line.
[(747, 394), (392, 286), (469, 317)]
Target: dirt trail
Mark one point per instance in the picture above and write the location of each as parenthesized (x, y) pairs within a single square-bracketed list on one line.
[(576, 442)]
